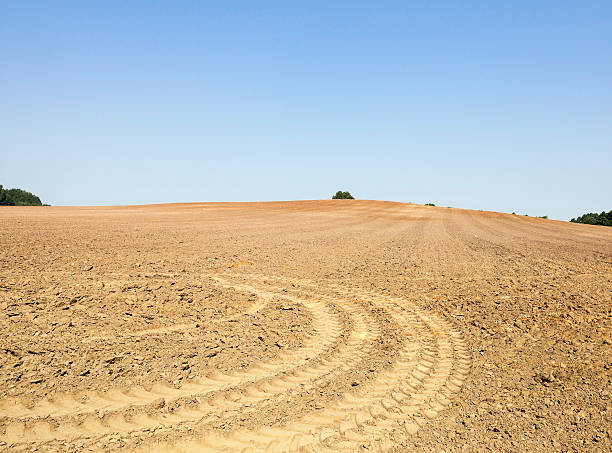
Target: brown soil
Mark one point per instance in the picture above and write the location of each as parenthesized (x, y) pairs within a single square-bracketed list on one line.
[(303, 326)]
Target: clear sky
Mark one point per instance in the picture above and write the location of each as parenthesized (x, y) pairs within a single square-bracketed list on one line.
[(503, 106)]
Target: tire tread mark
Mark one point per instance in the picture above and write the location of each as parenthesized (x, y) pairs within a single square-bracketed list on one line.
[(359, 343), (396, 399)]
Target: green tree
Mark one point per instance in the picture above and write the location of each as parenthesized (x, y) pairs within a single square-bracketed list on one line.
[(3, 200), (592, 218), (342, 196), (21, 197), (18, 197)]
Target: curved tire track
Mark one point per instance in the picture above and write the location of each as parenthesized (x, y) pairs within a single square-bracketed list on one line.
[(264, 381), (422, 379)]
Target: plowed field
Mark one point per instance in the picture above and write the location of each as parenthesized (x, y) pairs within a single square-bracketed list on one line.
[(333, 325)]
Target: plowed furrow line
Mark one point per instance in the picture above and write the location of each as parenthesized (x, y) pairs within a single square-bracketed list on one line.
[(143, 333), (254, 308)]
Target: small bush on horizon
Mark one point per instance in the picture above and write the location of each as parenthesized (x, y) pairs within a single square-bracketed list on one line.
[(429, 204), (342, 196)]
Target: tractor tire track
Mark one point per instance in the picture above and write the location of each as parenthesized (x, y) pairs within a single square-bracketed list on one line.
[(425, 375), (33, 422), (224, 400)]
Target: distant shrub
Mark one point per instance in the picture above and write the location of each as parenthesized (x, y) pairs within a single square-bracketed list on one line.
[(429, 204), (592, 218), (543, 217), (343, 196), (18, 197)]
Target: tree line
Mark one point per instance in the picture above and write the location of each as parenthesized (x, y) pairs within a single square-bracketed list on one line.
[(592, 218), (18, 197)]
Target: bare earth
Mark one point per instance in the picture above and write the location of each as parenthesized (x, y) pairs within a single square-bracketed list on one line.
[(302, 326)]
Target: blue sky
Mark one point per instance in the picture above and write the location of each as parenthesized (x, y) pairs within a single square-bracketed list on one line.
[(503, 106)]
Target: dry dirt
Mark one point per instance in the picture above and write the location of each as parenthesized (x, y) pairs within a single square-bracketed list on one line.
[(302, 326)]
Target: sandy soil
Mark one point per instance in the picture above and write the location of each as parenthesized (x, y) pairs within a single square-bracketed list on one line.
[(303, 326)]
